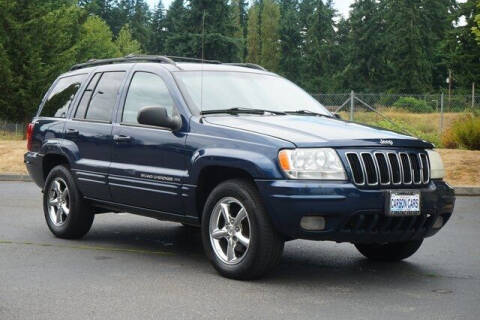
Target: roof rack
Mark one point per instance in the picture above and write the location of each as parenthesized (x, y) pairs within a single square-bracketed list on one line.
[(247, 65), (159, 59), (129, 58), (187, 59)]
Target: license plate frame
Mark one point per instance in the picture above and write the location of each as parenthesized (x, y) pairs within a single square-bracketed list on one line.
[(407, 194)]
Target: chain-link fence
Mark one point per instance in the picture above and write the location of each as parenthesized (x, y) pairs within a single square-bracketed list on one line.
[(427, 116), (11, 129), (419, 103)]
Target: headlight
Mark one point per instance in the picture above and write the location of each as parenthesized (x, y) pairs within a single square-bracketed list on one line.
[(436, 165), (317, 164)]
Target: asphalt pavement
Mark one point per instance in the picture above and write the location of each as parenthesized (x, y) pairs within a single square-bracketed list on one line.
[(130, 267)]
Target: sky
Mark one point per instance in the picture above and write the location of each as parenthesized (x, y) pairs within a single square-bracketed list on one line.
[(341, 5)]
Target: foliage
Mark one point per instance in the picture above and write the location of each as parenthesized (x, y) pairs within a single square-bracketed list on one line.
[(125, 43), (476, 29), (413, 105), (464, 133)]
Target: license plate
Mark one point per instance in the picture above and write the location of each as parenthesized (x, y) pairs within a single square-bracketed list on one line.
[(403, 203)]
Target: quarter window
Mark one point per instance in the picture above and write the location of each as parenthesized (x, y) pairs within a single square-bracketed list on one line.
[(146, 90), (61, 97), (103, 99)]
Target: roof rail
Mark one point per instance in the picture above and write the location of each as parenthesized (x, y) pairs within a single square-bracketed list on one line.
[(247, 65), (187, 59), (129, 58)]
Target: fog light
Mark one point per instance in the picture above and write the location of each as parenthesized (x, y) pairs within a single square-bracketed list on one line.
[(313, 223), (438, 223)]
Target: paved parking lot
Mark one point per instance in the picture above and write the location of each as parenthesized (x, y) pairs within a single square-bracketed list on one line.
[(131, 267)]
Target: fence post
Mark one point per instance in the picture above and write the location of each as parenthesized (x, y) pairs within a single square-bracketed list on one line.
[(16, 129), (442, 100), (352, 104)]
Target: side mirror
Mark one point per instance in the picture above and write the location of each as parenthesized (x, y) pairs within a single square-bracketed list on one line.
[(337, 116), (158, 117)]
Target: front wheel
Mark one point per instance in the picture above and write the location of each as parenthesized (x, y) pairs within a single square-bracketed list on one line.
[(237, 235), (389, 251)]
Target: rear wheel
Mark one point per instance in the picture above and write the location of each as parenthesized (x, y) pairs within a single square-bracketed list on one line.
[(237, 235), (67, 214), (389, 251)]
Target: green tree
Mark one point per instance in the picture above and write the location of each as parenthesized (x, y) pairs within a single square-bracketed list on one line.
[(95, 41), (239, 17), (319, 45), (269, 35), (290, 40), (364, 44), (253, 34), (158, 33), (476, 28), (125, 43)]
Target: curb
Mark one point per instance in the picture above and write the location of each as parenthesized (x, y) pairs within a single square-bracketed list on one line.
[(459, 191), (15, 177)]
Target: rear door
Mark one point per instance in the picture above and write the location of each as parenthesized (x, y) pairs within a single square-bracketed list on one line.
[(148, 163), (90, 132)]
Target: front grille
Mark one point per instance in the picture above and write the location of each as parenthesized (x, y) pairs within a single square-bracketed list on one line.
[(389, 168)]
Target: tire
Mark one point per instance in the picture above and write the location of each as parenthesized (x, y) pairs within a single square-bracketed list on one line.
[(264, 247), (68, 216), (395, 251)]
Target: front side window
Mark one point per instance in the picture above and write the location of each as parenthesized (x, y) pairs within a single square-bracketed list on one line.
[(214, 90), (103, 99), (146, 90), (61, 97)]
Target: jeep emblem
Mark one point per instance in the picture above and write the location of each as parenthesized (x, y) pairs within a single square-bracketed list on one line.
[(389, 142)]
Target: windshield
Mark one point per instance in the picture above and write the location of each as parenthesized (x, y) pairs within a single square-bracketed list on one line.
[(225, 90)]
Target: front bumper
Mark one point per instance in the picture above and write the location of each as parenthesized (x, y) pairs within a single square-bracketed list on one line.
[(352, 214)]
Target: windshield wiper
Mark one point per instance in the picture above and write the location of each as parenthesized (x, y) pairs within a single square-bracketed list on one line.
[(308, 113), (241, 110)]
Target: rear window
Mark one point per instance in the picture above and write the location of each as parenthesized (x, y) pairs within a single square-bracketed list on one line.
[(61, 96)]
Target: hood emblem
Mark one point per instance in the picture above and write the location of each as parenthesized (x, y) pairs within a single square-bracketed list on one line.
[(389, 142)]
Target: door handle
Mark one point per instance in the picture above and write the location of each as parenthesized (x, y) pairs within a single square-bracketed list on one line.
[(121, 138), (72, 132)]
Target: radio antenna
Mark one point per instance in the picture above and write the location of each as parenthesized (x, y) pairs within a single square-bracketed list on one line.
[(203, 60)]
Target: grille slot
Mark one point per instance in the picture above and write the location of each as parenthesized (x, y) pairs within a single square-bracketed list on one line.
[(389, 168), (370, 168), (356, 167), (406, 168)]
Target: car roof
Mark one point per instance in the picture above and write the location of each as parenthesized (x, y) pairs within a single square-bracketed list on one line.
[(172, 64)]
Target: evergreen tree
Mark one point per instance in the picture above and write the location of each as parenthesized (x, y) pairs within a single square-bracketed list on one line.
[(407, 53), (95, 41), (364, 44), (269, 35), (253, 34), (125, 43), (476, 28), (319, 45), (290, 40), (459, 49), (158, 32), (239, 9)]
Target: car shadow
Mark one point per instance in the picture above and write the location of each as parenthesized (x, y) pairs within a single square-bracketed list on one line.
[(303, 262)]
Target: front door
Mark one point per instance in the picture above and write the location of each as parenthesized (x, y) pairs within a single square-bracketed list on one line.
[(148, 163), (90, 130)]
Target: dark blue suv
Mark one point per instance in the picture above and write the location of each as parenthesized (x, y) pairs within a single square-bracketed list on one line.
[(234, 149)]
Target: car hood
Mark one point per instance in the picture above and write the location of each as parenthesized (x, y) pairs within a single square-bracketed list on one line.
[(314, 131)]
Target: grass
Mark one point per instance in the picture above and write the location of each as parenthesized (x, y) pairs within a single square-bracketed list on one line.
[(462, 166)]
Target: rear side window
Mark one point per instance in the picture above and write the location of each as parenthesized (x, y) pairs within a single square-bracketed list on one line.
[(61, 97), (100, 97), (146, 90)]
